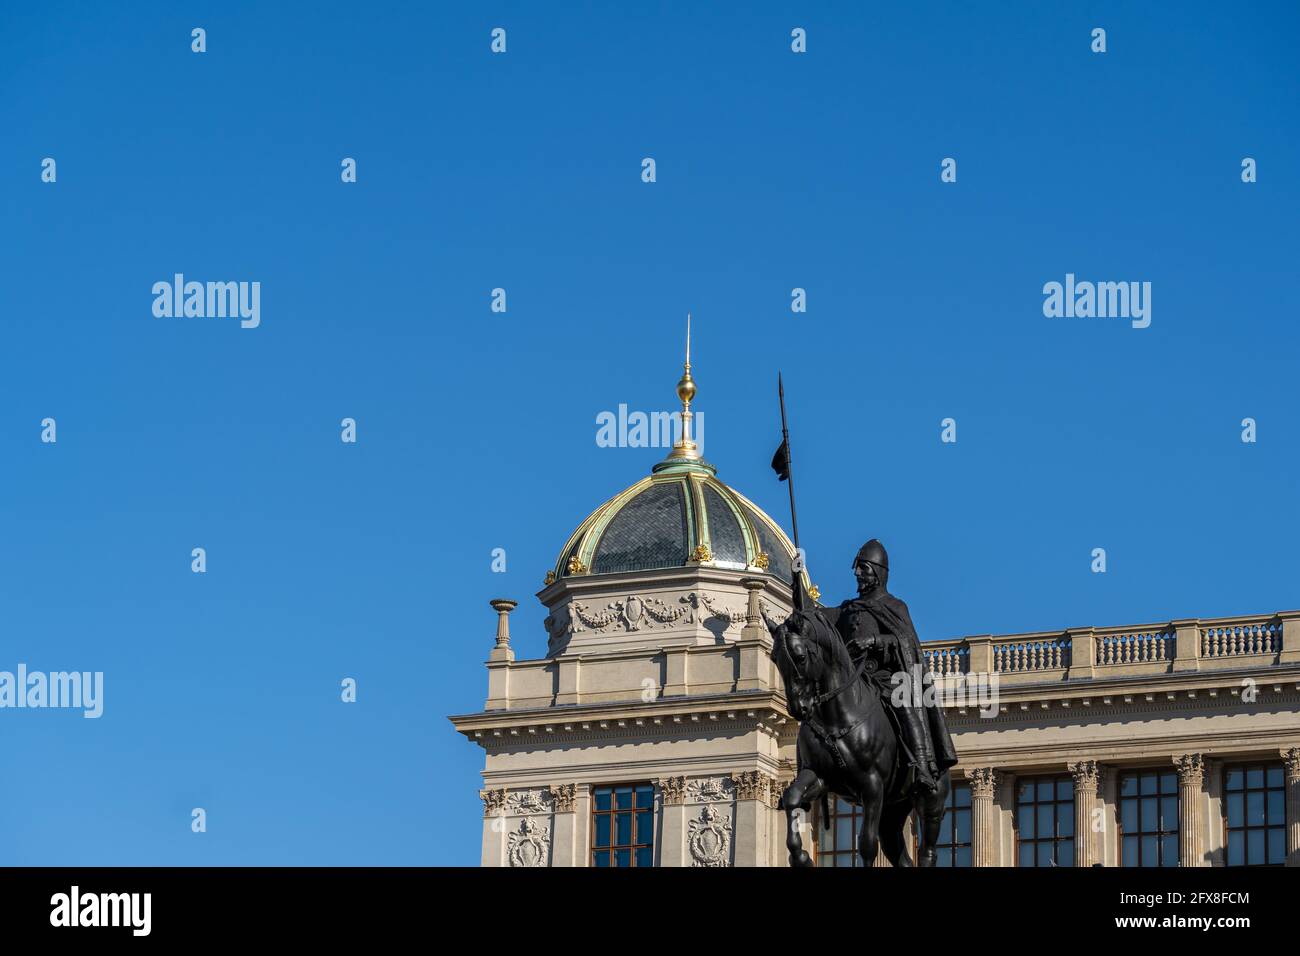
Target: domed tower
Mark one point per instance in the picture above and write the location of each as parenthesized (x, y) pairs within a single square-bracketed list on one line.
[(664, 561), (654, 732)]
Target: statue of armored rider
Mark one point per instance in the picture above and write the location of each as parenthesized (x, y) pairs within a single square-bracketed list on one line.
[(877, 623)]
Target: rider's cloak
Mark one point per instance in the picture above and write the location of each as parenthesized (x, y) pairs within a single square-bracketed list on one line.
[(887, 615)]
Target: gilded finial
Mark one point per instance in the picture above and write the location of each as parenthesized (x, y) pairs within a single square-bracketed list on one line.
[(685, 447)]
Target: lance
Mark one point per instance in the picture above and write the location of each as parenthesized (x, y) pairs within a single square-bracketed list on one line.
[(781, 465)]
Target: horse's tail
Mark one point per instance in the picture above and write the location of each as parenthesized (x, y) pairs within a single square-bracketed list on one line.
[(826, 811)]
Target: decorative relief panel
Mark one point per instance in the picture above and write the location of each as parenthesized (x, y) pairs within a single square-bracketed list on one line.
[(710, 789), (559, 622), (732, 615), (709, 838), (770, 618), (637, 613), (529, 801), (530, 844)]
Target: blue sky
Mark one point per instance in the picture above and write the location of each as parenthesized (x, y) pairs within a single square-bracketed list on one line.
[(476, 430)]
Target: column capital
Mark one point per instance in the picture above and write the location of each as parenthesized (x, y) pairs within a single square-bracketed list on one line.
[(1087, 775), (672, 790), (563, 797), (1191, 769), (983, 780), (751, 785), (1291, 757), (494, 802)]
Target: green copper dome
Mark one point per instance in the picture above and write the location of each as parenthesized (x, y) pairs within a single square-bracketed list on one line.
[(677, 516)]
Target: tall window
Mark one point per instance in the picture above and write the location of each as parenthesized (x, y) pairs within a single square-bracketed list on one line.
[(1148, 818), (1254, 809), (838, 846), (622, 825), (1045, 821), (954, 845)]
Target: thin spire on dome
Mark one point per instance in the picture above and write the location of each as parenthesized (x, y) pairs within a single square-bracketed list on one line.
[(685, 447)]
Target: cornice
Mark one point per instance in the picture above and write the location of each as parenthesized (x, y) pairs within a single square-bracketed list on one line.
[(1138, 751), (1195, 693), (664, 717)]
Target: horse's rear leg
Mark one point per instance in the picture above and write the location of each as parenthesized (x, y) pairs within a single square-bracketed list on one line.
[(796, 802), (873, 803), (892, 841), (929, 811)]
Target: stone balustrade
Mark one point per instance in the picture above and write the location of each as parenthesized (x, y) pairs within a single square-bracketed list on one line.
[(1124, 651)]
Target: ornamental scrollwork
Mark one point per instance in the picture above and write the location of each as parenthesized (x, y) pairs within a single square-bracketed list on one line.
[(710, 790), (529, 801), (529, 845), (709, 838)]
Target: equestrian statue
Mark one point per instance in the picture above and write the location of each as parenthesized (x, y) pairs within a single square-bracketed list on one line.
[(870, 729)]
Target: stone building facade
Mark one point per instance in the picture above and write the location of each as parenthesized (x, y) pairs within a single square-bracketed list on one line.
[(1204, 713), (655, 731)]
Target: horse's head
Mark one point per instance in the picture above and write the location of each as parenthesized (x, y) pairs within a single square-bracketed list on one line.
[(810, 656)]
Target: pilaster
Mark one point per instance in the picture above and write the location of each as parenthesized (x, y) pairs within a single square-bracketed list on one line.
[(671, 847)]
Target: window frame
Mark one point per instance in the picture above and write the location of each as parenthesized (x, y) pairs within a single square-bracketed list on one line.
[(1161, 831), (950, 815), (832, 852), (635, 811), (1056, 839), (1245, 766)]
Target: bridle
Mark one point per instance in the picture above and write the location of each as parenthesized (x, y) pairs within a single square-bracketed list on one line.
[(831, 740), (819, 699)]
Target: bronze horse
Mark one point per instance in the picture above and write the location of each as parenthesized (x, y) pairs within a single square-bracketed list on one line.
[(847, 745)]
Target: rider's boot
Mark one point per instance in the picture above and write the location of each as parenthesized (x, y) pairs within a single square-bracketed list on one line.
[(924, 767)]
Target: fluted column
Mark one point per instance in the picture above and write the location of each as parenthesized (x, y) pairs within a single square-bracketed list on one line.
[(983, 836), (1191, 791), (1292, 758), (1086, 776)]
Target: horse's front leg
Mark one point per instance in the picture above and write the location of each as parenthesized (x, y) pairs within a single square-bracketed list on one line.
[(873, 804), (796, 802)]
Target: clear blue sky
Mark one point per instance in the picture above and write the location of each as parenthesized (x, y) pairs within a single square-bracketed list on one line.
[(477, 430)]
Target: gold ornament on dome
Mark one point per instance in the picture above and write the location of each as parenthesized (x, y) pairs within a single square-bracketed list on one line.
[(702, 553), (576, 566), (761, 560), (550, 577)]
